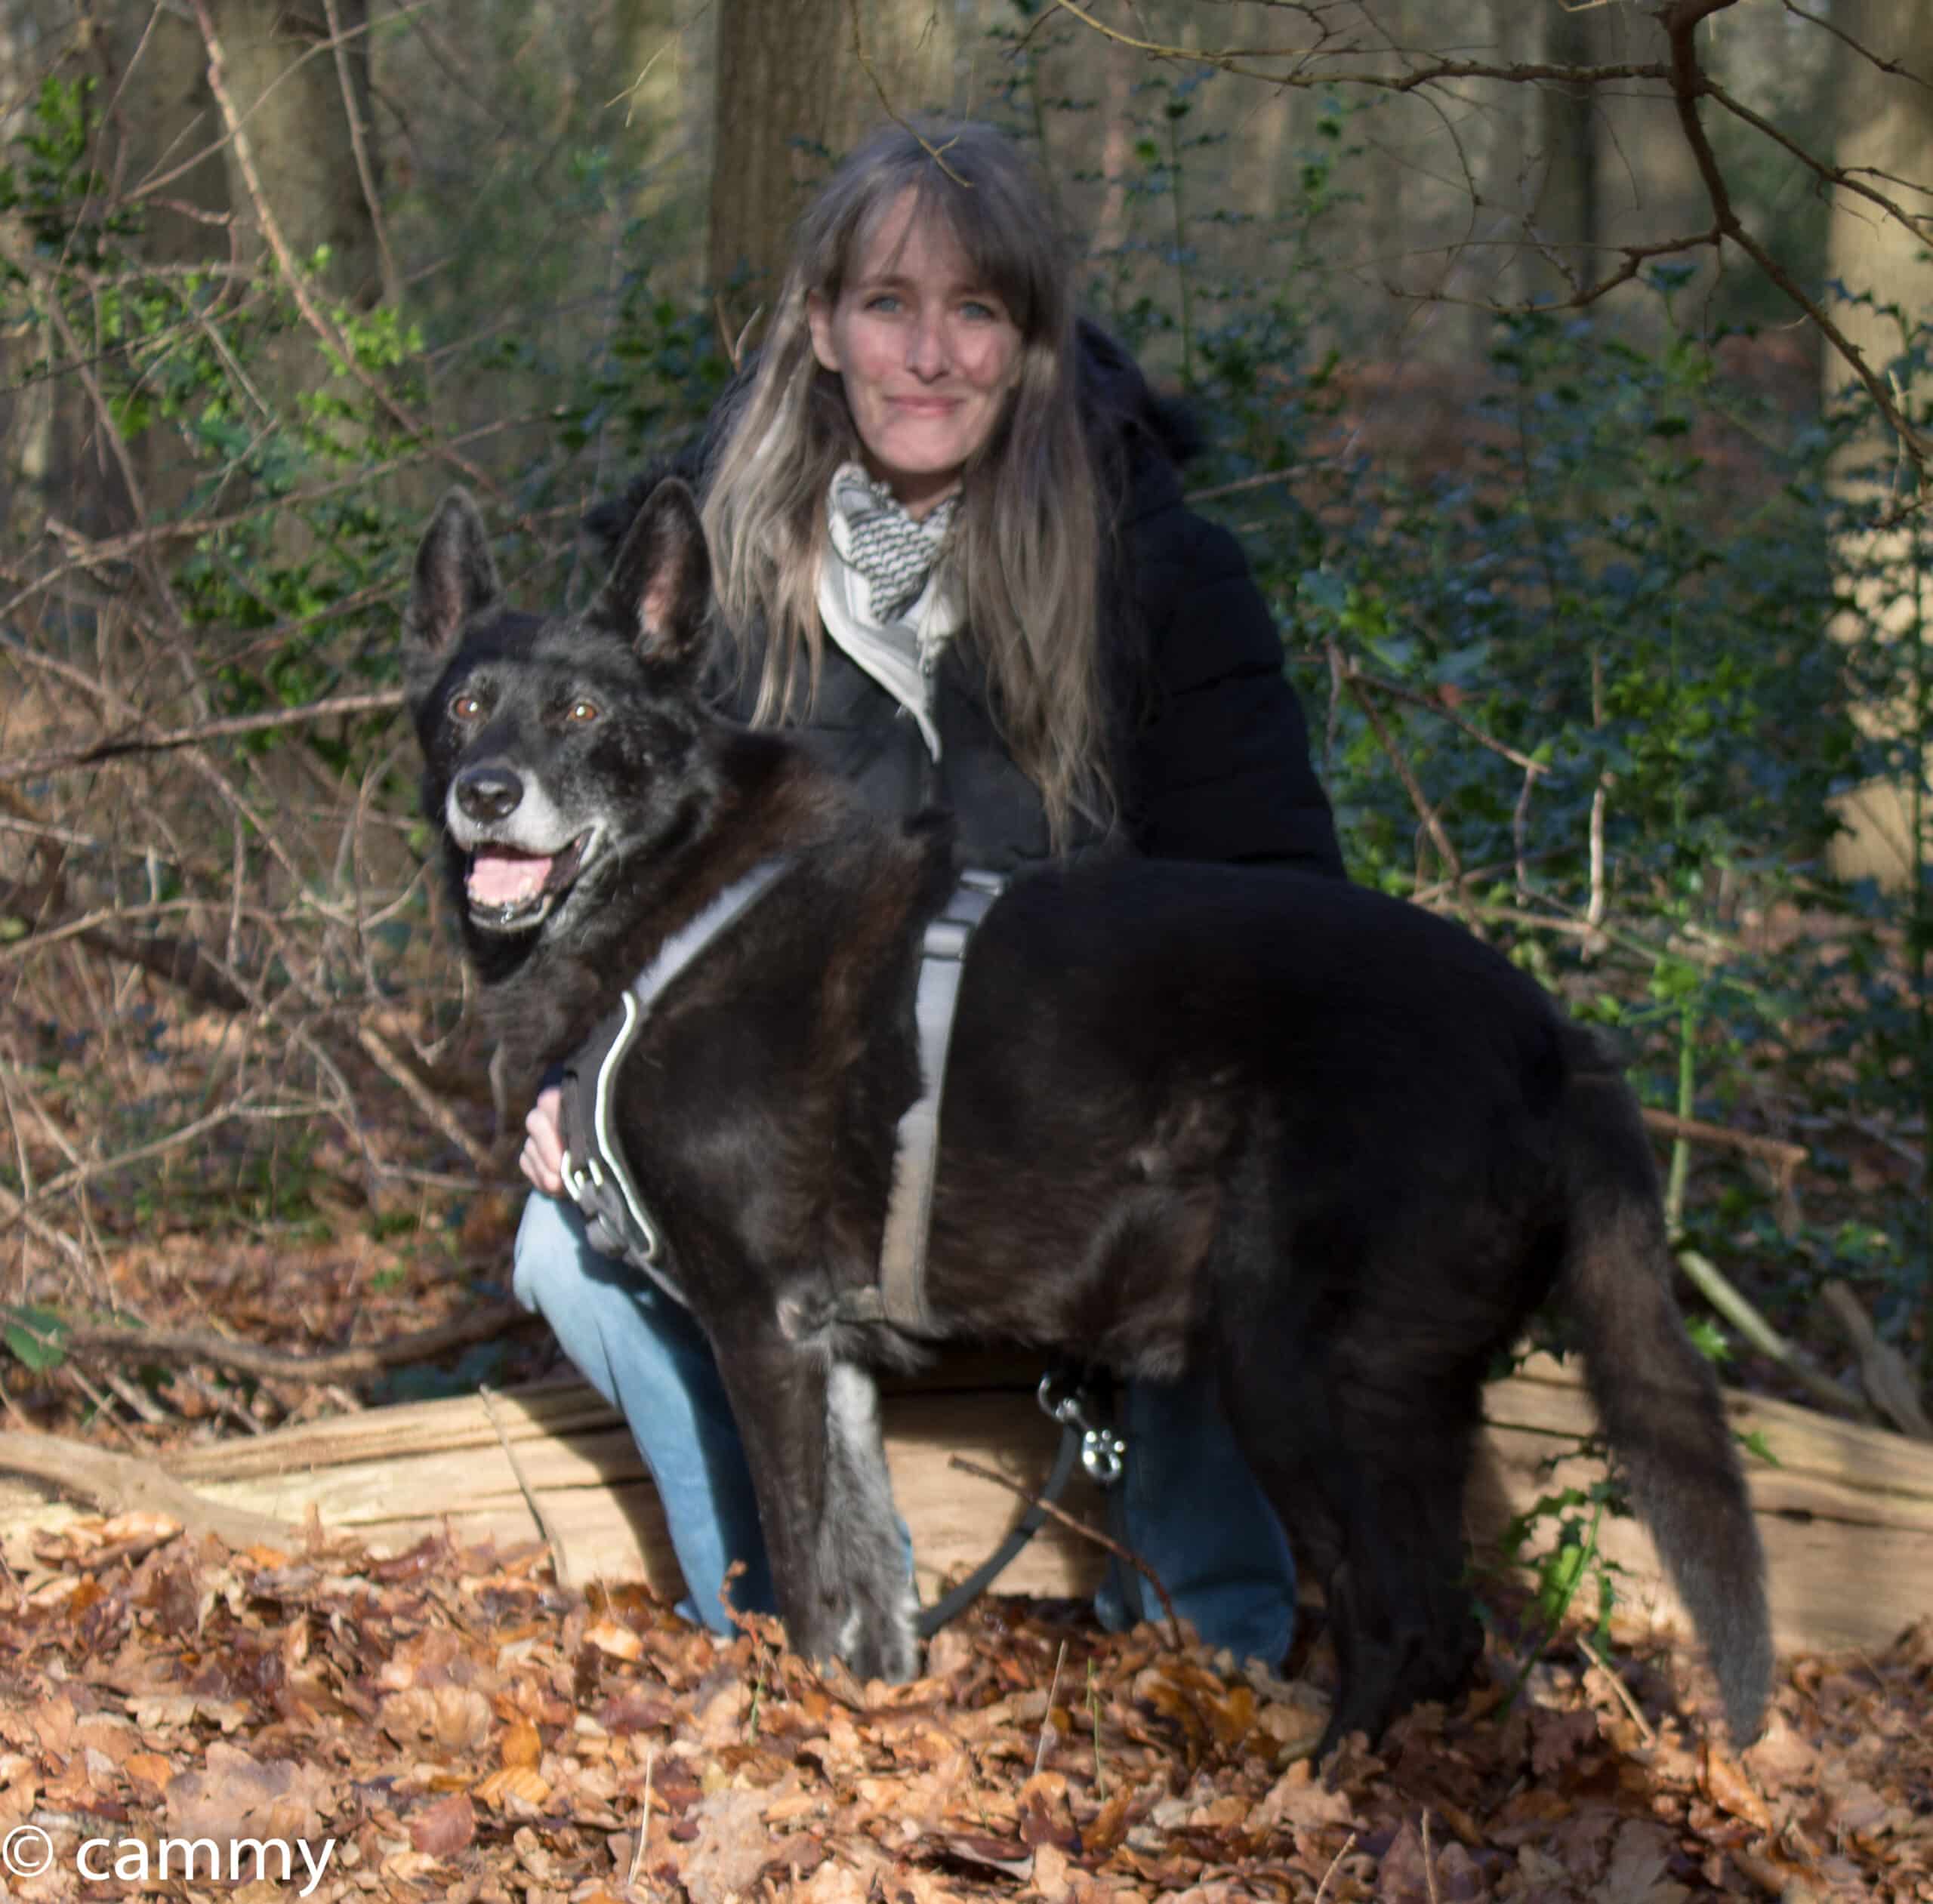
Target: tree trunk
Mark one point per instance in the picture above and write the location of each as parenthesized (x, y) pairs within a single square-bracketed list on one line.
[(1566, 217), (303, 99), (1886, 135), (793, 95)]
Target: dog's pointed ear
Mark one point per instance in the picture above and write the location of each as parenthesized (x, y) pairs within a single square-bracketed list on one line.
[(661, 580), (456, 575)]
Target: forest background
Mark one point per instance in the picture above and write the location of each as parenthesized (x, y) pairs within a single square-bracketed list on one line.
[(1564, 370)]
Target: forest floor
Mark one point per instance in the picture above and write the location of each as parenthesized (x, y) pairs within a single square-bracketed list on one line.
[(451, 1723)]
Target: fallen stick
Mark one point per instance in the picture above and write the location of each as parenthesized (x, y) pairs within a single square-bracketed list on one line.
[(122, 1484), (1784, 1158), (304, 1365), (1884, 1373)]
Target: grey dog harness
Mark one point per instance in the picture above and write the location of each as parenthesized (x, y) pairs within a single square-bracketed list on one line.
[(601, 1184), (902, 1293)]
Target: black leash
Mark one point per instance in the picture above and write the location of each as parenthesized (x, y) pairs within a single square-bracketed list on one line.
[(1091, 1445)]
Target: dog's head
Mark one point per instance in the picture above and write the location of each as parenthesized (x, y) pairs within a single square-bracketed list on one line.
[(554, 749)]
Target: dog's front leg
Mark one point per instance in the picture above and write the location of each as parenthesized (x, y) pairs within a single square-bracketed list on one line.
[(810, 1426), (861, 1543)]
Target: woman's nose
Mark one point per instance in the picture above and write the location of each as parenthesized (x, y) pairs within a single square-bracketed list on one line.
[(927, 352)]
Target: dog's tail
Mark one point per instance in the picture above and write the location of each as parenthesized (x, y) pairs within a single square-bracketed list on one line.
[(1655, 1394)]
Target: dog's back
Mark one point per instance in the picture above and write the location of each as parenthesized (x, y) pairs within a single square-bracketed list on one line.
[(1341, 1150)]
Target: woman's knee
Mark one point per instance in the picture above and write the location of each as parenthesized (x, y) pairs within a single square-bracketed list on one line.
[(548, 1258)]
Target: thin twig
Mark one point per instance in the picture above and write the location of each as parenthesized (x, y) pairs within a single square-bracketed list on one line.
[(1047, 1717), (426, 1100), (112, 747), (1335, 1864), (558, 1564), (643, 1824), (1433, 821), (480, 1325), (1646, 1728), (1784, 1158), (1127, 1555)]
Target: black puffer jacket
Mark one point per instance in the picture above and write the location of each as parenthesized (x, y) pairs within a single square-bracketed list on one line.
[(1213, 758)]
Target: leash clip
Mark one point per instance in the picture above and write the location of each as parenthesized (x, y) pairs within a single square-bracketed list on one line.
[(1103, 1451)]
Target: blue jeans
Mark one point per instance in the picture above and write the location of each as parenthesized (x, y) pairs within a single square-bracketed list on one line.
[(1193, 1510)]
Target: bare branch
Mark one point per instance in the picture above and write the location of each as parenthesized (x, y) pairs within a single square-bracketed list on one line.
[(1680, 21), (117, 746)]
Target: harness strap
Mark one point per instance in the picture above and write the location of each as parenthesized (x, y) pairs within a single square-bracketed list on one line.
[(902, 1259), (602, 1186)]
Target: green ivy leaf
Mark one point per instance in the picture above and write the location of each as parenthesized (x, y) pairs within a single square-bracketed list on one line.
[(37, 1337)]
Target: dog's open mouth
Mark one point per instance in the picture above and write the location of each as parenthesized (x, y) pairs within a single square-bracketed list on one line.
[(510, 890)]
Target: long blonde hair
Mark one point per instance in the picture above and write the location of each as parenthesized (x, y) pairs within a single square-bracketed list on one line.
[(1024, 554)]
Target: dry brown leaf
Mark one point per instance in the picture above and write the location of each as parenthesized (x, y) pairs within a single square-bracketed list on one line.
[(456, 1718), (950, 1651), (1640, 1857), (1300, 1798), (157, 1711), (1045, 1816), (1729, 1786), (234, 1796), (149, 1768), (53, 1723), (1557, 1737), (835, 1884), (523, 1745), (132, 1535), (515, 1785), (1295, 1729), (619, 1642), (442, 1829), (410, 1867), (1051, 1870), (733, 1846)]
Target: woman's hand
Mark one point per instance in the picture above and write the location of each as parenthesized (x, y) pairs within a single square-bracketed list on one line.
[(541, 1159)]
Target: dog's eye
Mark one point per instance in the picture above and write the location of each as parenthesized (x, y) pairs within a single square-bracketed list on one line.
[(582, 711), (466, 706)]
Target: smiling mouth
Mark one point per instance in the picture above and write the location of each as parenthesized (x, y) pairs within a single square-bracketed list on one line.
[(511, 891)]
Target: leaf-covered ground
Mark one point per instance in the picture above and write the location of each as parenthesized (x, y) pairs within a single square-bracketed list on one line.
[(448, 1723)]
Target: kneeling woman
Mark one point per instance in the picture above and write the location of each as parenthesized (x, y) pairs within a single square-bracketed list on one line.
[(949, 538)]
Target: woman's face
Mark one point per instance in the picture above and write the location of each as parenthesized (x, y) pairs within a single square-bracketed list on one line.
[(926, 352)]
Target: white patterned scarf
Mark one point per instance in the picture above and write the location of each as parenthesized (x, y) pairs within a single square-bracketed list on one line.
[(878, 593)]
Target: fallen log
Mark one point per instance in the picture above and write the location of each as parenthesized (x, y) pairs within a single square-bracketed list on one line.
[(1846, 1514)]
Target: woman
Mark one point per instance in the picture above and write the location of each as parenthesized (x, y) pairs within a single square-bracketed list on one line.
[(949, 540)]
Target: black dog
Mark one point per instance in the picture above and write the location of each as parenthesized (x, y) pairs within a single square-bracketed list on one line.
[(1319, 1140)]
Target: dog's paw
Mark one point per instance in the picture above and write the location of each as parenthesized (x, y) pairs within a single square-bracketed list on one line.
[(879, 1643)]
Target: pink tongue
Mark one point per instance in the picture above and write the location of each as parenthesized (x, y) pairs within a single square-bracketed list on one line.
[(502, 879)]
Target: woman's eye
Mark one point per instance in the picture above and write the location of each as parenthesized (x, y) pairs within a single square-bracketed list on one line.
[(884, 302), (582, 711), (980, 311), (466, 706)]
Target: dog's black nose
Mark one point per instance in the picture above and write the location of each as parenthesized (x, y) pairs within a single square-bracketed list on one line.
[(488, 793)]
